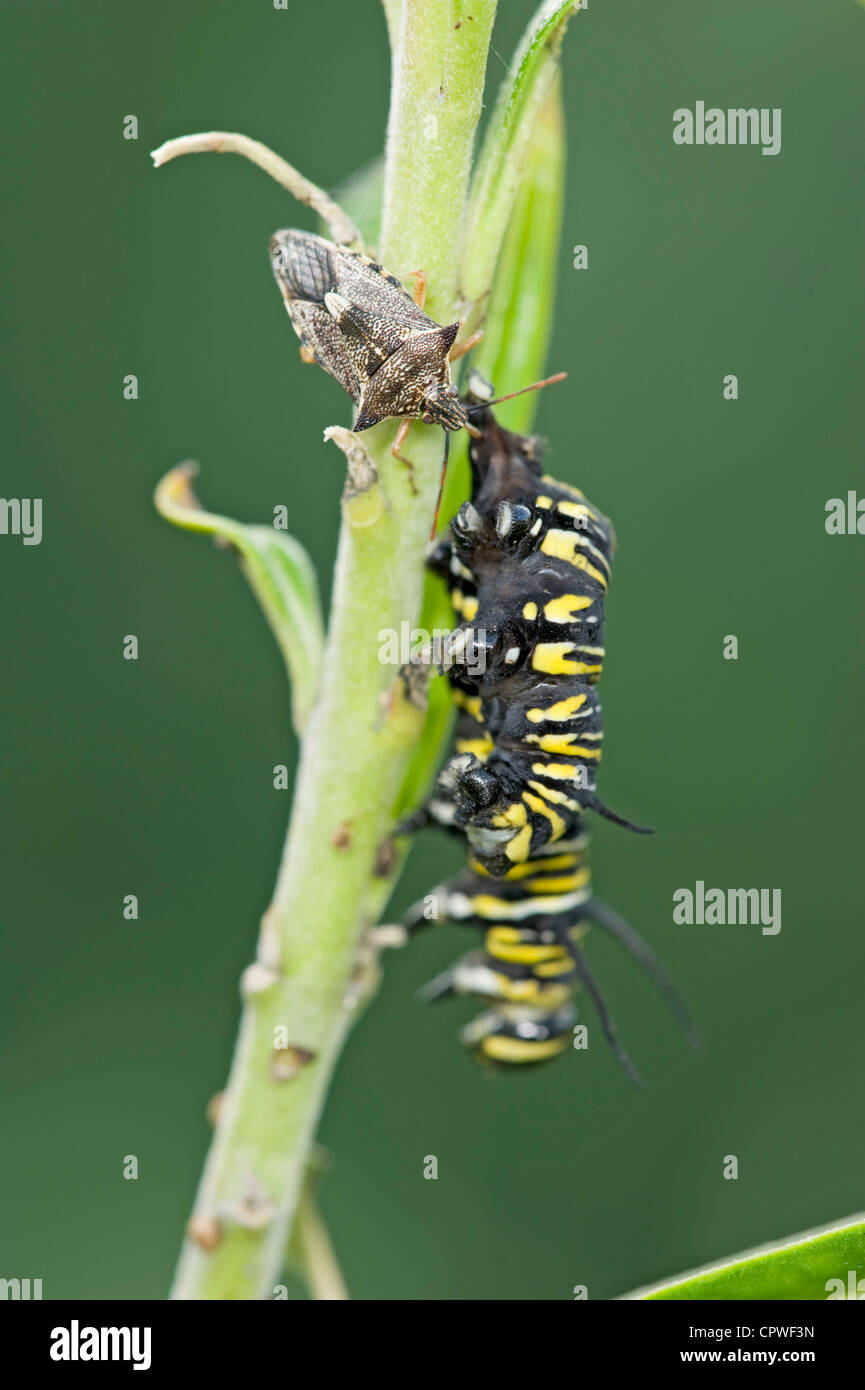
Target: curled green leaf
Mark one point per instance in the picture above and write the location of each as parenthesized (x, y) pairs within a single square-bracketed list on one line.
[(513, 350), (504, 156), (826, 1263), (281, 575)]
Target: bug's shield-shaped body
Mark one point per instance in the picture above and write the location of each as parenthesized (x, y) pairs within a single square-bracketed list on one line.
[(359, 323)]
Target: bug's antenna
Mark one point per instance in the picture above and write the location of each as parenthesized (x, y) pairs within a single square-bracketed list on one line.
[(535, 386), (639, 951), (432, 534), (610, 1033)]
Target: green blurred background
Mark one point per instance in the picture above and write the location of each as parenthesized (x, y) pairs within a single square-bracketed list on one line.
[(155, 777)]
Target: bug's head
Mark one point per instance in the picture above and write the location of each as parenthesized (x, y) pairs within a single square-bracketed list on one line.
[(442, 406)]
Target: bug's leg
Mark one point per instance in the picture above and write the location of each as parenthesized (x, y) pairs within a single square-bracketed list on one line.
[(307, 354), (420, 282), (441, 491), (401, 436), (460, 349)]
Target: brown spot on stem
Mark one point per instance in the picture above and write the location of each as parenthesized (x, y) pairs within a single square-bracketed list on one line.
[(214, 1108), (204, 1231), (385, 859), (286, 1062), (254, 1210), (341, 838)]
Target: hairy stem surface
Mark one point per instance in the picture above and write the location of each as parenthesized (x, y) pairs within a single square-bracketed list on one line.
[(303, 991)]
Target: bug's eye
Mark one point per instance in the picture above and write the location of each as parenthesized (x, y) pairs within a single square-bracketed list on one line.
[(427, 418)]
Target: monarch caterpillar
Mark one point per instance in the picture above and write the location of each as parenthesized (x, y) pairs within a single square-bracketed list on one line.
[(527, 562)]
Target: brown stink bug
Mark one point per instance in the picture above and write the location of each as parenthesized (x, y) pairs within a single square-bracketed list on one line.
[(361, 325)]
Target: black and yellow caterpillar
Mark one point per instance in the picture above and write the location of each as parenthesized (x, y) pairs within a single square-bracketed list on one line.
[(527, 562)]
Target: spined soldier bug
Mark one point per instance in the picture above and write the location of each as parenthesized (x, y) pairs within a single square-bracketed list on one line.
[(361, 325)]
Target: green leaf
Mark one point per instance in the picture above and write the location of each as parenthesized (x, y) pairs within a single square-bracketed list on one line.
[(504, 155), (513, 350), (800, 1268), (281, 575)]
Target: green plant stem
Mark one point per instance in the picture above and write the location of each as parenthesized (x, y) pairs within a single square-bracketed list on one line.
[(393, 16), (361, 733), (437, 101)]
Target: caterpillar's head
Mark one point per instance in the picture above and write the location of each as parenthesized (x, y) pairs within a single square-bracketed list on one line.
[(495, 825), (469, 784)]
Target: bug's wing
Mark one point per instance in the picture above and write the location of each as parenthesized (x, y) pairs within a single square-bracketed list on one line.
[(310, 267), (370, 287), (317, 331), (304, 265), (370, 338)]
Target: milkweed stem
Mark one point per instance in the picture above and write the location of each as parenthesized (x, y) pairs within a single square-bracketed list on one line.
[(311, 974)]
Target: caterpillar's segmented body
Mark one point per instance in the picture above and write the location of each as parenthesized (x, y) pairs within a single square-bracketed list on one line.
[(527, 562)]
